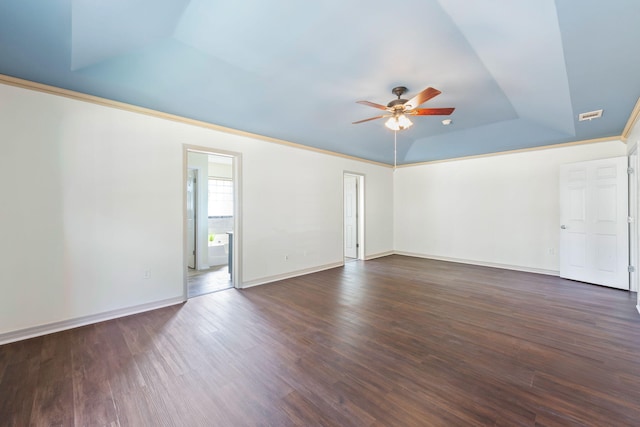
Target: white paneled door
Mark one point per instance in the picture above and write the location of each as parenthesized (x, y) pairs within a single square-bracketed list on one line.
[(594, 235), (350, 216)]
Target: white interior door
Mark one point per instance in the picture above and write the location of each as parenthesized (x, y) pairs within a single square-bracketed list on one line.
[(594, 245), (191, 218), (350, 216)]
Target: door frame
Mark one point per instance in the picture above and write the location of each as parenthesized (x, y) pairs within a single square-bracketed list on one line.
[(360, 206), (236, 256), (634, 199), (195, 219)]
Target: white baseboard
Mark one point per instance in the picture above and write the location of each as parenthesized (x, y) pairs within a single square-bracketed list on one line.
[(270, 279), (380, 255), (482, 263), (35, 331), (638, 308), (50, 328)]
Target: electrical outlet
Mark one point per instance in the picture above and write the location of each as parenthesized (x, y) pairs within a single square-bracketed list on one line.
[(146, 274), (286, 257), (552, 251)]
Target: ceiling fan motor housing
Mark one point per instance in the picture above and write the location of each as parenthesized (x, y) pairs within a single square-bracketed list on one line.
[(397, 103)]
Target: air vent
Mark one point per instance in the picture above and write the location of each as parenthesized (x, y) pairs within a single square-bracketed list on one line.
[(590, 115)]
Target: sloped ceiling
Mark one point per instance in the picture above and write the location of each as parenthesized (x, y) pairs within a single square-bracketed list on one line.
[(517, 72)]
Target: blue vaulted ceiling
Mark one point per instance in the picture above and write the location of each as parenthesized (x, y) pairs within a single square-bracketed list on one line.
[(517, 72)]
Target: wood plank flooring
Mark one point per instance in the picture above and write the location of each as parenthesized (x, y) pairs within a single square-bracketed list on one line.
[(201, 282), (396, 341)]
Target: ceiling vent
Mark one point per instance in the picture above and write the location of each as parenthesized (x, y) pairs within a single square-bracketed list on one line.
[(590, 115)]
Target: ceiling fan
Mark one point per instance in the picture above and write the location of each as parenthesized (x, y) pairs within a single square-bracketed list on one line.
[(398, 109)]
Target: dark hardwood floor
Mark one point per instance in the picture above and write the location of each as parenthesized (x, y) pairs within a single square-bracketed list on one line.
[(396, 341)]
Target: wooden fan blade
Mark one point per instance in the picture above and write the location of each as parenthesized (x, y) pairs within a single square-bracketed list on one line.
[(372, 104), (422, 97), (366, 120), (432, 111)]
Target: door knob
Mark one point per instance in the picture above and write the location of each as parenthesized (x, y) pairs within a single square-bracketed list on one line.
[(564, 227)]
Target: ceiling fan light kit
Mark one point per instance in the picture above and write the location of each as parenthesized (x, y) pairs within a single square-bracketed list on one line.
[(399, 122)]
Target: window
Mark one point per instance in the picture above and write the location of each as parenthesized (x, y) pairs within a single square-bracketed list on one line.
[(220, 197)]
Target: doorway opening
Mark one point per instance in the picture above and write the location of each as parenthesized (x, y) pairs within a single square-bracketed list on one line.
[(353, 216), (212, 218)]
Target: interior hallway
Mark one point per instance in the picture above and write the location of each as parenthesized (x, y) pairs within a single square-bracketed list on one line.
[(201, 282)]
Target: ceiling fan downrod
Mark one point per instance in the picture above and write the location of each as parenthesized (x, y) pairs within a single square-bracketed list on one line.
[(398, 91)]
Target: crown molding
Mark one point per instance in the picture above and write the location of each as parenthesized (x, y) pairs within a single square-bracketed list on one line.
[(53, 90), (633, 118), (521, 150)]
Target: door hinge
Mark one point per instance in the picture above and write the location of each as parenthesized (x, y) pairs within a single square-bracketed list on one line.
[(631, 269), (357, 245), (630, 219), (630, 171)]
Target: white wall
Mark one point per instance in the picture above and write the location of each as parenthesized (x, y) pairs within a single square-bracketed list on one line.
[(310, 186), (501, 210), (93, 196), (220, 170)]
